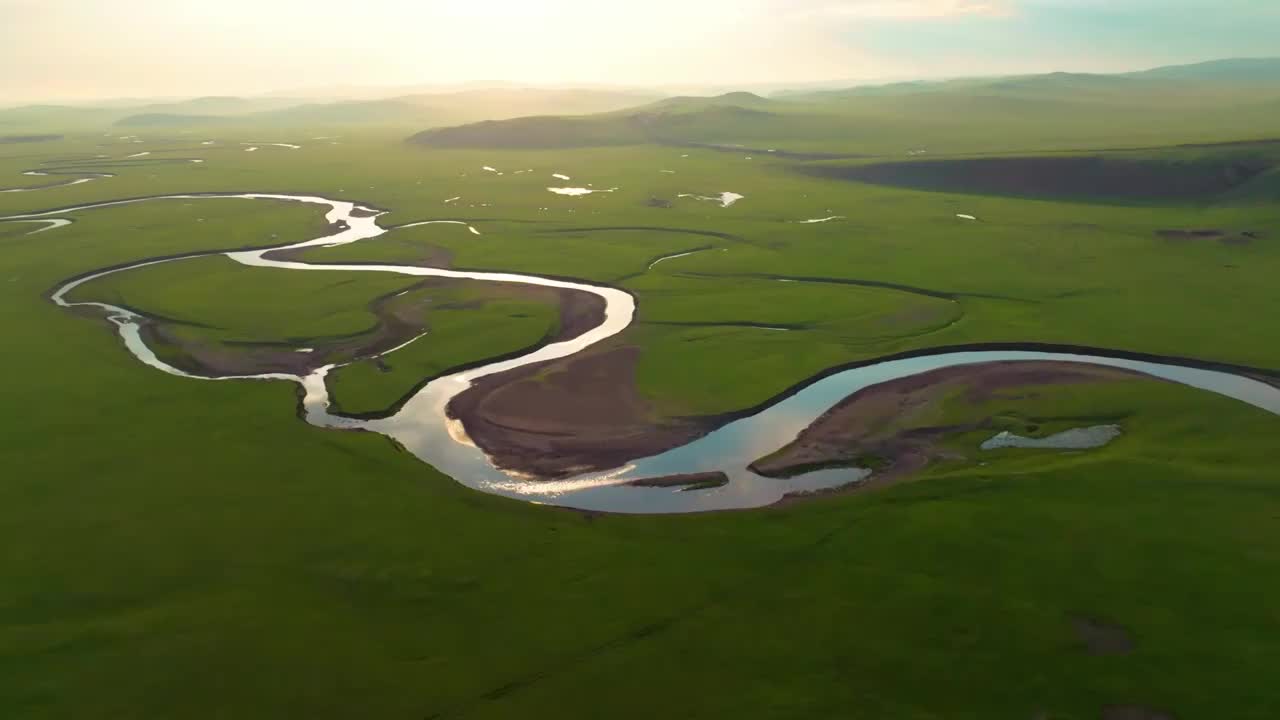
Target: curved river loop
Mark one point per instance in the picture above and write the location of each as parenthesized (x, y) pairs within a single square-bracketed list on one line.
[(422, 426)]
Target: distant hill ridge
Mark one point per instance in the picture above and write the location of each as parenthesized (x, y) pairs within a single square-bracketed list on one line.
[(1231, 69), (614, 116), (1196, 100), (668, 120), (442, 108)]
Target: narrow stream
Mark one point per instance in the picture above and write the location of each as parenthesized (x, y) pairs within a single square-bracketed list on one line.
[(423, 428)]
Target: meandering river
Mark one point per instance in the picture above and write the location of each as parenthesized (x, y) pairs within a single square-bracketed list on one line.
[(422, 426)]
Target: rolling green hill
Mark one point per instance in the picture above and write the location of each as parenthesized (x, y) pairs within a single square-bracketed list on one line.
[(146, 120), (414, 110), (1249, 70), (1059, 111), (502, 103), (55, 118), (673, 120), (347, 113), (218, 105)]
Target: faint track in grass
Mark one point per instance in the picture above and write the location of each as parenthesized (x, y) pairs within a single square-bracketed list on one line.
[(878, 284)]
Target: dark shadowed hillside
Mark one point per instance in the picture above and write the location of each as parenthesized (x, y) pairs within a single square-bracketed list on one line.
[(1116, 178), (1239, 70)]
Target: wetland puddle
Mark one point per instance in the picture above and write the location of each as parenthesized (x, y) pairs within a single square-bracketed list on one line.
[(725, 198), (1074, 439), (422, 427)]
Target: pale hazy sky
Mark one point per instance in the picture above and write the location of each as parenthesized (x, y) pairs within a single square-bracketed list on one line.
[(135, 48)]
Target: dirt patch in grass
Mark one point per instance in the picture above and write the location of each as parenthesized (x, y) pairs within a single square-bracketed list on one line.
[(15, 139), (1134, 712), (1093, 177), (887, 428), (1102, 638), (932, 316), (569, 416), (1223, 236)]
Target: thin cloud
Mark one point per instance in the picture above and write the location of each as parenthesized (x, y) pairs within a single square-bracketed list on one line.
[(907, 9), (196, 47)]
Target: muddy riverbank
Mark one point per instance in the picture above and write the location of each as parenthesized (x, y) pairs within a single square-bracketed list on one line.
[(888, 427)]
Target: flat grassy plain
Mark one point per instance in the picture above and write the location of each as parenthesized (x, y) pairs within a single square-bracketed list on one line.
[(176, 548)]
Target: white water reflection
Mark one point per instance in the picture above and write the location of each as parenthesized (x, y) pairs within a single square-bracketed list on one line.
[(86, 177), (725, 198), (422, 427), (49, 224), (665, 258), (578, 191), (470, 228)]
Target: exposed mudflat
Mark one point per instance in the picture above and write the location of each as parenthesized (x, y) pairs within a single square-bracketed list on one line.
[(575, 415), (400, 320), (690, 481), (1102, 638), (1226, 237), (878, 427)]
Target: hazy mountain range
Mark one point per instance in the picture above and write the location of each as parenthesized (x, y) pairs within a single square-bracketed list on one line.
[(1184, 88)]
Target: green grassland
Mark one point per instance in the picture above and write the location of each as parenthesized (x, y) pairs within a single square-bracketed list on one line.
[(259, 304), (1052, 271), (1134, 405), (176, 548), (462, 321)]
